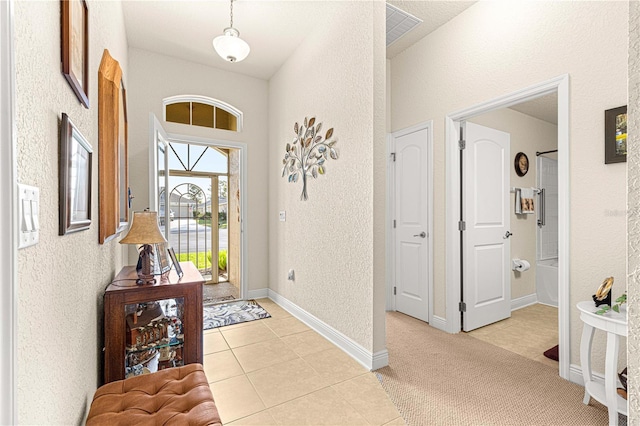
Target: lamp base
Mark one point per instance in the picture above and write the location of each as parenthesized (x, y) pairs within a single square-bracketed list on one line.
[(145, 266), (143, 280)]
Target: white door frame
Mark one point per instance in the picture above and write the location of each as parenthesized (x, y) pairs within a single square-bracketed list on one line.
[(452, 120), (391, 234), (8, 230), (244, 223)]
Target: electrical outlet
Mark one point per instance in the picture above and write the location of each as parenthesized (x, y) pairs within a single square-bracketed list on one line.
[(283, 216), (291, 276)]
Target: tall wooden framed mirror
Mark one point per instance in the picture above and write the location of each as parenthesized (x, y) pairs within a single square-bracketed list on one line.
[(113, 162)]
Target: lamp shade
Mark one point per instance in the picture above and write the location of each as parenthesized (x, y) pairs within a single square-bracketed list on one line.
[(230, 46), (144, 229)]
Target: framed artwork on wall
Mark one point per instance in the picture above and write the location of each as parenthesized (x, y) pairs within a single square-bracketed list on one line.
[(75, 179), (75, 47), (521, 164), (114, 195), (615, 135)]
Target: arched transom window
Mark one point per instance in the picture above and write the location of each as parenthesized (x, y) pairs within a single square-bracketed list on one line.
[(202, 111)]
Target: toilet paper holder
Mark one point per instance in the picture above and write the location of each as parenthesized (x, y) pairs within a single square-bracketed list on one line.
[(519, 265)]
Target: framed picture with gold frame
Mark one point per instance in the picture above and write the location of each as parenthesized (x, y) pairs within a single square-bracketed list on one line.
[(75, 47), (113, 165)]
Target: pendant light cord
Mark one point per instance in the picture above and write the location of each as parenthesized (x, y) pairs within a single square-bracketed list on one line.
[(231, 14)]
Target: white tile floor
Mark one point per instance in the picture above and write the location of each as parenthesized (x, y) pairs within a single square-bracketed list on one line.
[(277, 371), (529, 332)]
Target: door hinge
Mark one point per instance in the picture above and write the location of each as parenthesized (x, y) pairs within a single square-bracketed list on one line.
[(393, 157), (462, 226), (394, 223), (462, 307), (462, 144), (394, 290)]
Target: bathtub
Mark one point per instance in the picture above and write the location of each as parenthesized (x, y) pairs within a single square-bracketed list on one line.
[(547, 282)]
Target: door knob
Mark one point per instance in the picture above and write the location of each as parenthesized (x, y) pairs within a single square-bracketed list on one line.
[(507, 235), (421, 235)]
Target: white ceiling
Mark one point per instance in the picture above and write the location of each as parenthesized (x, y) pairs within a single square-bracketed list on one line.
[(273, 28), (185, 30), (433, 15), (544, 108)]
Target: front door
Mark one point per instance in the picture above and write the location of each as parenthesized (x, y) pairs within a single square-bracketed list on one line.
[(411, 215), (486, 285)]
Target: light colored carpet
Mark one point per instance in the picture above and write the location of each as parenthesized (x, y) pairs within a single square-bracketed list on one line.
[(435, 378)]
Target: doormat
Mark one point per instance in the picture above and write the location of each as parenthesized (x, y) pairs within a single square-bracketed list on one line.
[(231, 313), (552, 353), (212, 300)]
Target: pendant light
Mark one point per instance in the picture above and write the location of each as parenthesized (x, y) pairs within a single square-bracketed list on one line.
[(229, 45)]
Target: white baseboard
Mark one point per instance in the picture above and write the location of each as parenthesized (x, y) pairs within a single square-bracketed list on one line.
[(260, 293), (439, 323), (524, 301), (380, 359), (575, 375), (371, 361)]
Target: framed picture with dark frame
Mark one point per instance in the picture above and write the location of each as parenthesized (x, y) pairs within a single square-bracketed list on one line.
[(174, 260), (75, 179), (521, 164), (615, 135), (75, 47)]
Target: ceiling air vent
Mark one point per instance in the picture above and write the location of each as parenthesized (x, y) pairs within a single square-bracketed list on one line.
[(399, 23)]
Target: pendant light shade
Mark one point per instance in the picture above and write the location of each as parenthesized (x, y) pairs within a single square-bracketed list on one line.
[(229, 45)]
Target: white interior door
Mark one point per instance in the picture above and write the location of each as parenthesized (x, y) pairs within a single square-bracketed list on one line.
[(411, 215), (159, 172), (486, 289)]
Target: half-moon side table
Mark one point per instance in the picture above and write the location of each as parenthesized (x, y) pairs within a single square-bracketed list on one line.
[(615, 325)]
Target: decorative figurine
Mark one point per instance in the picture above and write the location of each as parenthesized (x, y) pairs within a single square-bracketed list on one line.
[(603, 294)]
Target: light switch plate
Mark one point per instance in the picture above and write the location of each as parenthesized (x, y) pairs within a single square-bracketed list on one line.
[(28, 211), (283, 216)]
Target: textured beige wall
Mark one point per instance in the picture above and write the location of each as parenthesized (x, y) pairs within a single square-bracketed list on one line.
[(154, 77), (633, 247), (528, 135), (61, 280), (494, 48), (329, 240)]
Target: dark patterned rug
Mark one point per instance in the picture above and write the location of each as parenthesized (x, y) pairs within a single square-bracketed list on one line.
[(222, 314)]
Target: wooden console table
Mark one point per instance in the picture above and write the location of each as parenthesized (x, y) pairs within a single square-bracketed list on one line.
[(124, 294), (615, 325)]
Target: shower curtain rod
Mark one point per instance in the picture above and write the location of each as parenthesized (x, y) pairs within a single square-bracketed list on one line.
[(538, 153)]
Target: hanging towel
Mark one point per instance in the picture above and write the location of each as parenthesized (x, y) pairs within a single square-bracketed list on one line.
[(518, 204), (526, 200)]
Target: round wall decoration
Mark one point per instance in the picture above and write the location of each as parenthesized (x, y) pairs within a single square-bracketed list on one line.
[(521, 164)]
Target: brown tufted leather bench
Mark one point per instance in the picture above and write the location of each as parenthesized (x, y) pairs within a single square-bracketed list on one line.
[(175, 396)]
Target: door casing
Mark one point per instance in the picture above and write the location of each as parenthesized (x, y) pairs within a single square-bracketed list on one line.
[(560, 85), (391, 235), (8, 218)]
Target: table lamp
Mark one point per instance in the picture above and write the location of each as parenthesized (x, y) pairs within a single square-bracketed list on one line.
[(144, 230)]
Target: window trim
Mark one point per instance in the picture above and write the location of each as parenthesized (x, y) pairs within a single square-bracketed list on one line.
[(203, 100)]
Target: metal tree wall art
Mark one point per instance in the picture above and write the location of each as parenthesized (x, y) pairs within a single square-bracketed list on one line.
[(306, 155)]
